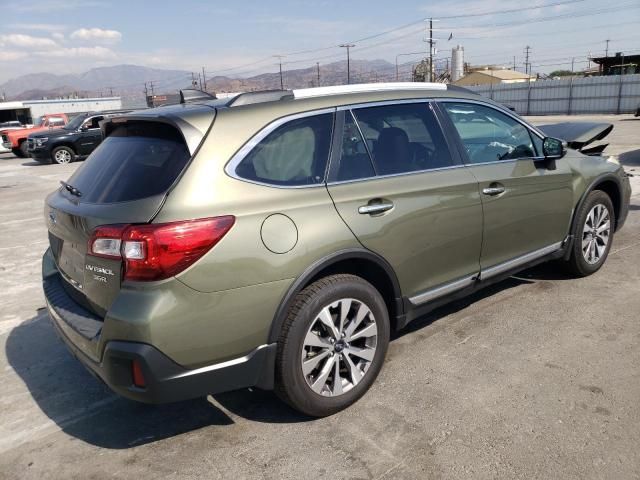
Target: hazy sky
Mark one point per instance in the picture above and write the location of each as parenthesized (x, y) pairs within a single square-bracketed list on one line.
[(62, 36)]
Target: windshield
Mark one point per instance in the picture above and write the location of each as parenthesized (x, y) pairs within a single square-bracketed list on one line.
[(75, 123)]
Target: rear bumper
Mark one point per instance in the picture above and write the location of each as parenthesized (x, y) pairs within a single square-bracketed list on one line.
[(165, 380)]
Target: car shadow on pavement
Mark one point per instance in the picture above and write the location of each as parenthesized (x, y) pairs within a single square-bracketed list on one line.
[(86, 409), (33, 163), (630, 158)]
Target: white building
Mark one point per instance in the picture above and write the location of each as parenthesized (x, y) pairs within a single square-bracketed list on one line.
[(27, 111)]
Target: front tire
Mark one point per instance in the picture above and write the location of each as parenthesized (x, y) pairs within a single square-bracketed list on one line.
[(62, 155), (332, 346), (595, 223), (21, 151)]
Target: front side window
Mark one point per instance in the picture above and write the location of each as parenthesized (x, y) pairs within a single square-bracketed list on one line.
[(403, 138), (294, 154), (93, 122), (489, 135)]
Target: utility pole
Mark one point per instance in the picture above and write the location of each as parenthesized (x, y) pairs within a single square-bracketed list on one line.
[(146, 92), (431, 49), (279, 57), (318, 72), (151, 87), (572, 60), (527, 66), (606, 50), (204, 79), (514, 63), (194, 82), (348, 46)]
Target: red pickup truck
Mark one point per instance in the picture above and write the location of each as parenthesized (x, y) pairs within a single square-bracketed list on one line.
[(15, 140)]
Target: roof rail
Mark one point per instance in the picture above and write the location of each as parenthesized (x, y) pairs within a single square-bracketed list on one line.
[(193, 94), (365, 87), (248, 98)]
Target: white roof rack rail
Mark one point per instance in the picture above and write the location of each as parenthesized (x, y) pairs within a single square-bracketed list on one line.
[(365, 87)]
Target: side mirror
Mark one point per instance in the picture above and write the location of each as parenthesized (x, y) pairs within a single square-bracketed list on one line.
[(553, 148)]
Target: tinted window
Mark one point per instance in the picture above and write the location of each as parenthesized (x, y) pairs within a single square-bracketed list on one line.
[(489, 135), (93, 122), (293, 154), (354, 159), (137, 160), (403, 138)]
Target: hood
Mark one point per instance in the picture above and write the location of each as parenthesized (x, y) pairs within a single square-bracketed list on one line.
[(54, 132), (578, 135)]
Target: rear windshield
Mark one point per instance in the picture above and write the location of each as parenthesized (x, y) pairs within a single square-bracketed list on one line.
[(137, 160)]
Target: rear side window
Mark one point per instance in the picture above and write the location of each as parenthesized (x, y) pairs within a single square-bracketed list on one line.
[(138, 160), (294, 154), (403, 138), (355, 162)]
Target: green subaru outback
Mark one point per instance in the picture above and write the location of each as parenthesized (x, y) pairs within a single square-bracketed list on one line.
[(276, 239)]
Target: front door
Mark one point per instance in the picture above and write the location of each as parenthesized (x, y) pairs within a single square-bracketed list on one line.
[(91, 136), (404, 195), (527, 202)]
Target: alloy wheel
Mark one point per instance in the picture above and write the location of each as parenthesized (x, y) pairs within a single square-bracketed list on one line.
[(62, 156), (595, 234), (339, 347)]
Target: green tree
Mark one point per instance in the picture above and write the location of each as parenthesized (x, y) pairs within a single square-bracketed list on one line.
[(561, 73)]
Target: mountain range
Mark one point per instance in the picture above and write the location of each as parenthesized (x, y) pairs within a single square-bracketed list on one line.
[(130, 81)]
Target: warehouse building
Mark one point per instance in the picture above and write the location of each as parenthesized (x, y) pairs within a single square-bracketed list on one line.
[(28, 111), (488, 76)]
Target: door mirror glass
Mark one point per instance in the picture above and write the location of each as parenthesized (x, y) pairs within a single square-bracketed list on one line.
[(553, 148)]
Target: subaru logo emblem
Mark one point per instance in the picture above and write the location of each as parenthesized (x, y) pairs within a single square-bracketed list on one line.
[(52, 217)]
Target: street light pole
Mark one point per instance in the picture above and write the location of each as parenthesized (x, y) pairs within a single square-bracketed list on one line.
[(348, 46)]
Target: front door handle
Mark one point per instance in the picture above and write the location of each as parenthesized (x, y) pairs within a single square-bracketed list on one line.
[(493, 190), (374, 208)]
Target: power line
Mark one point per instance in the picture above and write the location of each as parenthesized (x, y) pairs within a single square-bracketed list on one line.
[(401, 27)]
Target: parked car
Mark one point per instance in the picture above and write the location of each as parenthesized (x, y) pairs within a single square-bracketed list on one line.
[(10, 125), (16, 140), (75, 141), (276, 239)]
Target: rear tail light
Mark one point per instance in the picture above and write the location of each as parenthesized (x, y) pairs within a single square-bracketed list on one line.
[(158, 251)]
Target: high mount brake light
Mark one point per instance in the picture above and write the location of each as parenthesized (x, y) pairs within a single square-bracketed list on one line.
[(161, 250)]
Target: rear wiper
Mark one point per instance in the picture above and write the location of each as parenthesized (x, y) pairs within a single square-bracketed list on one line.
[(71, 189)]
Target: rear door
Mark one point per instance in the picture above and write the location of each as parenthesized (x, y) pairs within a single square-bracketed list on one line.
[(396, 184), (123, 182), (527, 202)]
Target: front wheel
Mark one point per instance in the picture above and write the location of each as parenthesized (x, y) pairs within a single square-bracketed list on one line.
[(62, 155), (593, 234), (332, 345)]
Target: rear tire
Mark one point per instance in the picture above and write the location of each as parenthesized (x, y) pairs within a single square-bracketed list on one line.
[(332, 346), (62, 155), (593, 234)]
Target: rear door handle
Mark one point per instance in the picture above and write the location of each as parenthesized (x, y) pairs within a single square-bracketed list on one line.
[(493, 190), (373, 208)]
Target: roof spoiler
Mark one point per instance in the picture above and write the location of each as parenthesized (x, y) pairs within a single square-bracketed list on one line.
[(193, 94)]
